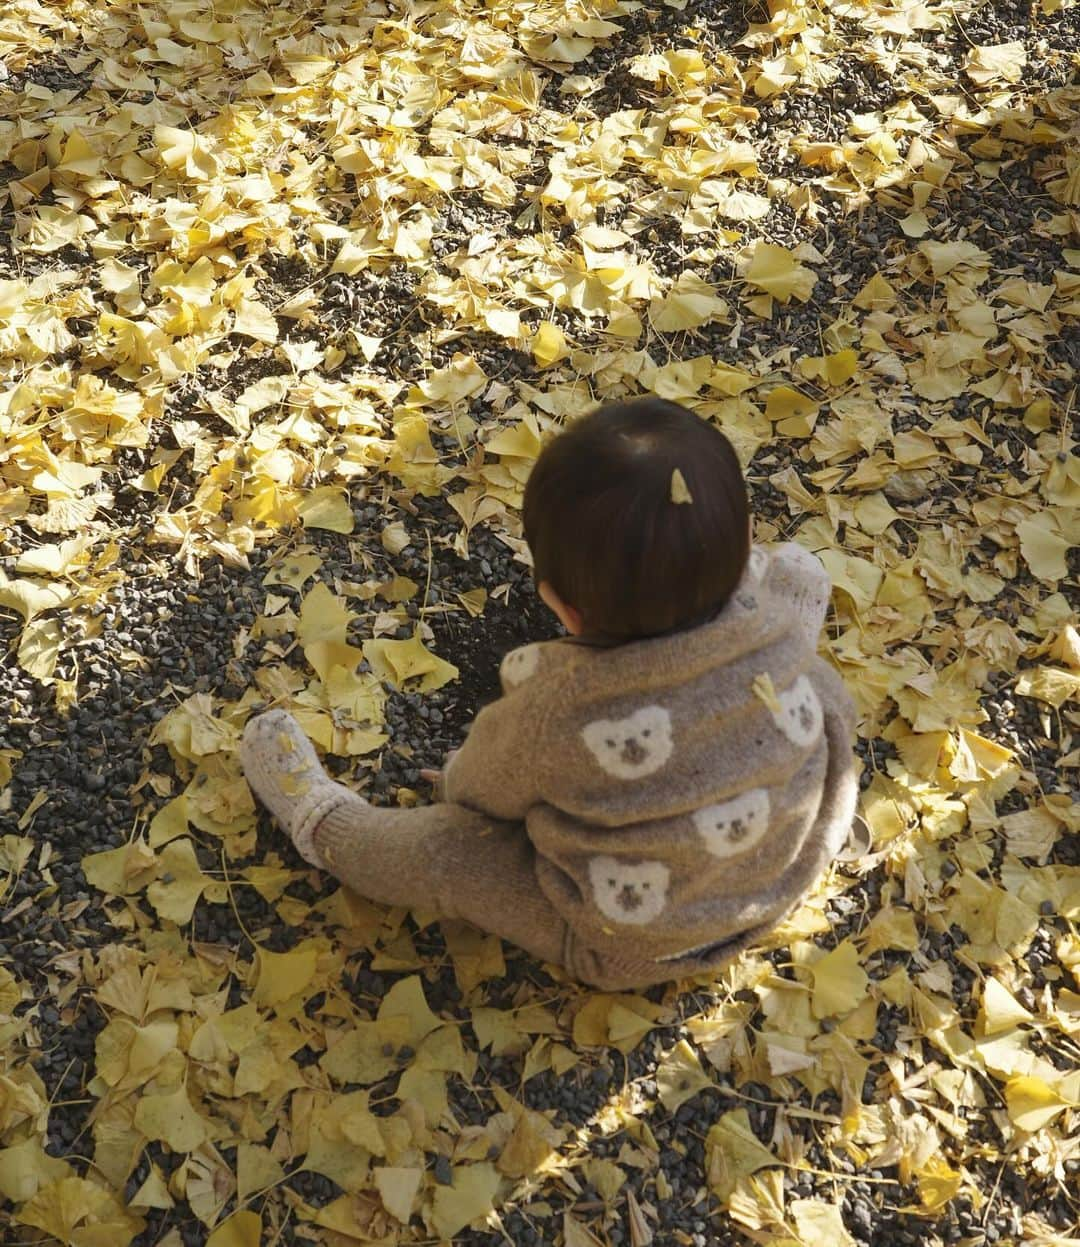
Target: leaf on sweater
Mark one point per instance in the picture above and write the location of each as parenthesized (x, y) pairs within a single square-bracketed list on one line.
[(764, 690)]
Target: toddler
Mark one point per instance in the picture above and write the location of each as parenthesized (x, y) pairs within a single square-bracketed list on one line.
[(652, 793)]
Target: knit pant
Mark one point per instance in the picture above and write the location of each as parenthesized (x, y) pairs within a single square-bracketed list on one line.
[(457, 863)]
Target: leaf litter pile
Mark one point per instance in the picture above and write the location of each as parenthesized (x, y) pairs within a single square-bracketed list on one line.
[(290, 296)]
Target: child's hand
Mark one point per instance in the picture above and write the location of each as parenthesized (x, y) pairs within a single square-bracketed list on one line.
[(434, 777)]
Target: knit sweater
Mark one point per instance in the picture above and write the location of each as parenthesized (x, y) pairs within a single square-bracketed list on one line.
[(680, 791)]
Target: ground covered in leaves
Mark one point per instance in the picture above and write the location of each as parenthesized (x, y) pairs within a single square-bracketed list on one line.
[(290, 296)]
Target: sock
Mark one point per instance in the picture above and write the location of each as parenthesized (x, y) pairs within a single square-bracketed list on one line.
[(284, 772)]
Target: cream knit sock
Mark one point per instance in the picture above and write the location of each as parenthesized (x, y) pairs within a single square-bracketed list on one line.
[(284, 772)]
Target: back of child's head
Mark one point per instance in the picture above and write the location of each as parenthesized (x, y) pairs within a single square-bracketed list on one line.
[(607, 530)]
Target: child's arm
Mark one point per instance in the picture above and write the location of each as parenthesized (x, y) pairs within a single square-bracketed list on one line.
[(797, 577), (499, 770)]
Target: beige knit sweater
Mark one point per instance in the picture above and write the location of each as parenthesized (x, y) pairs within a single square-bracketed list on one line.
[(684, 791)]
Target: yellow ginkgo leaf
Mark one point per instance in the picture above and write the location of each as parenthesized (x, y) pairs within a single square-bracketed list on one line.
[(180, 883), (998, 62), (255, 320), (689, 303), (39, 648), (408, 663), (328, 508), (549, 344), (1043, 546), (732, 1152), (398, 1187), (242, 1229), (679, 1076), (1000, 1010), (938, 1183), (284, 975), (1033, 1103), (834, 370), (840, 983), (776, 271), (171, 1119), (469, 1196), (323, 617)]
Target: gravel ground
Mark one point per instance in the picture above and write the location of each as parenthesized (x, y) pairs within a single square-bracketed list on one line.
[(157, 625)]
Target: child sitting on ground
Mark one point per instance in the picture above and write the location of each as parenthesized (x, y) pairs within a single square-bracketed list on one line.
[(653, 792)]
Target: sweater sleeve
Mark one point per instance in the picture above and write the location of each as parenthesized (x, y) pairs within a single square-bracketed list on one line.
[(799, 579), (500, 768)]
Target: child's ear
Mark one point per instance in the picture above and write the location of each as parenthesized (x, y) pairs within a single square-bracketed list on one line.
[(569, 616)]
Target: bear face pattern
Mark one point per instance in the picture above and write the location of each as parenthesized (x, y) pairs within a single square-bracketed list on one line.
[(732, 827), (519, 665), (632, 747), (800, 716), (626, 892)]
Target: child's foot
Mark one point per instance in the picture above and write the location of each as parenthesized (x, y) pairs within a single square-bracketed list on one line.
[(284, 772)]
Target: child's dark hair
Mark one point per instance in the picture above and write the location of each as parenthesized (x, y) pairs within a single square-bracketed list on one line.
[(607, 536)]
